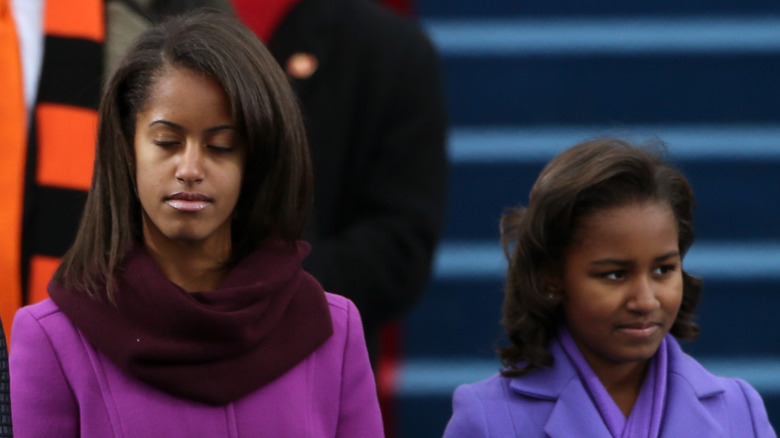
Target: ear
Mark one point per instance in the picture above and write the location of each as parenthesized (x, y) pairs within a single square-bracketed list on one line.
[(552, 278)]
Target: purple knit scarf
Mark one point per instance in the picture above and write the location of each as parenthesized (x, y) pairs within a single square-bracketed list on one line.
[(216, 346), (647, 413)]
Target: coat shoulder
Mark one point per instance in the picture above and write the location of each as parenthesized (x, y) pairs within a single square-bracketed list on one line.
[(342, 309), (45, 316), (347, 326), (728, 399), (493, 388), (491, 407)]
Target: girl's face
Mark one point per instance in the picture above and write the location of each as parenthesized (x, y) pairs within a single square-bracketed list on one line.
[(622, 283), (189, 159)]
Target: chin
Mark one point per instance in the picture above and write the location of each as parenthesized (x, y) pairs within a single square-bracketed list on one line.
[(188, 238), (185, 236), (640, 354)]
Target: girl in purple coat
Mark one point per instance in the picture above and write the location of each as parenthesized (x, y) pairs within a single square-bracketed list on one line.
[(595, 296), (182, 310)]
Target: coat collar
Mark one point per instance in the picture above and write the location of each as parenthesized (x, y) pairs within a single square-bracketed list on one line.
[(573, 414), (691, 387)]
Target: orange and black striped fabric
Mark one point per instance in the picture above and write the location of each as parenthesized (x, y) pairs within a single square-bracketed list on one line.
[(12, 143), (61, 140), (12, 137)]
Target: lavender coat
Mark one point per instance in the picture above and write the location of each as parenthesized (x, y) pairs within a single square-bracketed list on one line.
[(62, 387), (554, 403)]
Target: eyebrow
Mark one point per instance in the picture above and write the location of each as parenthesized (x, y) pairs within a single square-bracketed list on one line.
[(181, 128), (612, 261)]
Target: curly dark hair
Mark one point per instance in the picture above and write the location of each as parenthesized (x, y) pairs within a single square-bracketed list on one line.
[(589, 177)]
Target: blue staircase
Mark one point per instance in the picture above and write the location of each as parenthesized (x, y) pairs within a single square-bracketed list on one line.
[(527, 79)]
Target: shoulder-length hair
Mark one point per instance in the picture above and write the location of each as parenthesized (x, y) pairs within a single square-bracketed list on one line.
[(276, 188), (589, 177)]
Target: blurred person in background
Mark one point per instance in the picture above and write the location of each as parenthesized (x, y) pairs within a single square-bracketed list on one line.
[(371, 90)]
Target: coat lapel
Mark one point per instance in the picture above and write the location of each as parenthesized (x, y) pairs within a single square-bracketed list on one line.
[(573, 414), (693, 404), (687, 416), (692, 409)]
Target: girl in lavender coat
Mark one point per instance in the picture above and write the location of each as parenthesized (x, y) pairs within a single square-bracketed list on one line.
[(595, 296), (182, 310)]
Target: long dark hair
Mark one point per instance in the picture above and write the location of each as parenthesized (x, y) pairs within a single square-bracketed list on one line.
[(589, 177), (276, 190)]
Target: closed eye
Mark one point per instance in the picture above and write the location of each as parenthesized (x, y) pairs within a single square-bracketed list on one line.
[(165, 143), (216, 148)]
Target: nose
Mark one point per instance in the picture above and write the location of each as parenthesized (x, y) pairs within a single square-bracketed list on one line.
[(190, 166), (642, 298)]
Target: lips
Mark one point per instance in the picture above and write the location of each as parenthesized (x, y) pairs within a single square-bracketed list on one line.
[(188, 201), (640, 329)]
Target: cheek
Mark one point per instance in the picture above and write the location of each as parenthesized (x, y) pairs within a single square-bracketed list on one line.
[(148, 180), (672, 299), (582, 310), (142, 177), (233, 179), (141, 168), (144, 192), (585, 298)]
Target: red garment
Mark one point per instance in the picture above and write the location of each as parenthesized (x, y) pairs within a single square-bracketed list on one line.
[(263, 16), (404, 7)]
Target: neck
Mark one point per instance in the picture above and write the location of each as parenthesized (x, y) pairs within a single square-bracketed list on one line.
[(190, 267), (623, 382), (622, 379), (195, 266)]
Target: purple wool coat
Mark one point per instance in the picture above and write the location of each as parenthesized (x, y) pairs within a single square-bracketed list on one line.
[(62, 387), (554, 403)]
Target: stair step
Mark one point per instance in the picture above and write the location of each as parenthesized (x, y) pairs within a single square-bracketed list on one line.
[(732, 196), (426, 387), (430, 377), (587, 37), (460, 318), (613, 89), (503, 144), (569, 8), (722, 260)]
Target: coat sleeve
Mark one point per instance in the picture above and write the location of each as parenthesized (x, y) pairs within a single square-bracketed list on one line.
[(468, 415), (359, 414), (42, 403), (758, 415), (5, 395)]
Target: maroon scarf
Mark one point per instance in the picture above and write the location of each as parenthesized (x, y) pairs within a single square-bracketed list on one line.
[(214, 347)]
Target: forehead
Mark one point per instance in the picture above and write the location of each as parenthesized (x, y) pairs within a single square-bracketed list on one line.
[(182, 84), (648, 225), (187, 98)]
